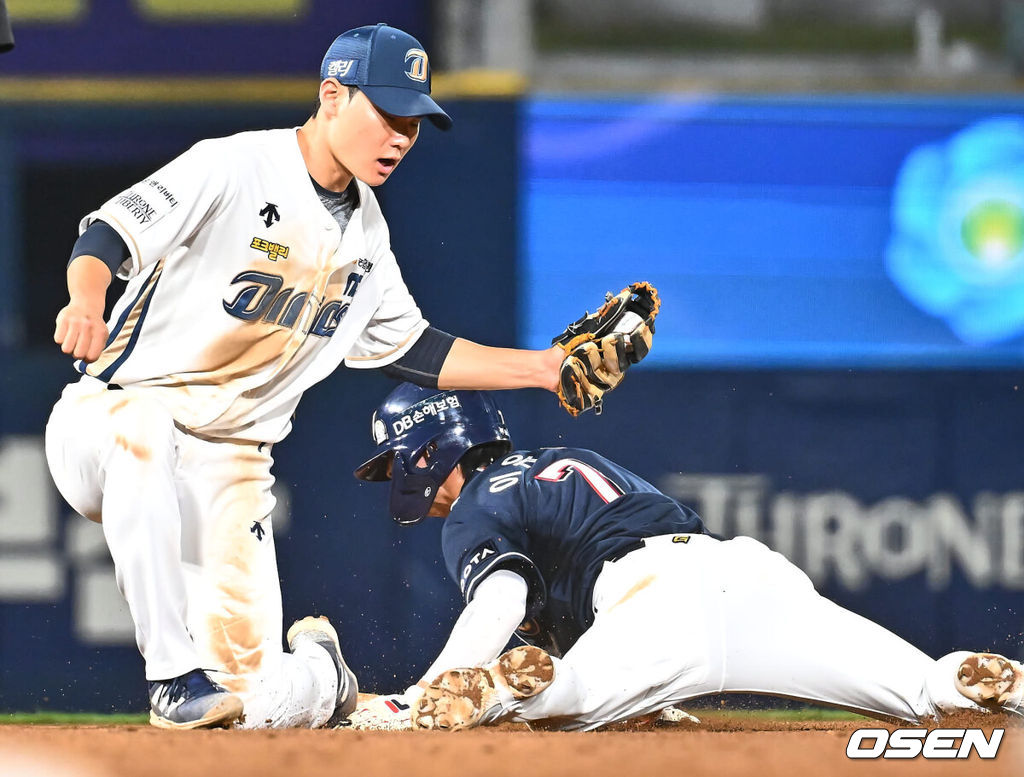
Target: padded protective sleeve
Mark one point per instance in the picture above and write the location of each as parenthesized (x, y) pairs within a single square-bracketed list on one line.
[(103, 242), (422, 363)]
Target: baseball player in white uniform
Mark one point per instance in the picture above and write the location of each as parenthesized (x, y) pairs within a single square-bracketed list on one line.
[(255, 265), (626, 603)]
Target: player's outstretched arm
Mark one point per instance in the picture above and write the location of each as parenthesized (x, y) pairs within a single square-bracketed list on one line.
[(481, 631), (485, 625), (81, 330), (470, 365)]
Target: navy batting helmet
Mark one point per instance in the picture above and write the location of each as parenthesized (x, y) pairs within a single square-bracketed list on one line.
[(449, 427)]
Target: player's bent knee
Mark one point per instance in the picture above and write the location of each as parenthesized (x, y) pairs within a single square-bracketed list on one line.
[(74, 476), (85, 501)]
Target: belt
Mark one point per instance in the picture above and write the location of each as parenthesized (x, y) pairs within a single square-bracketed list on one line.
[(679, 537), (208, 438), (625, 550)]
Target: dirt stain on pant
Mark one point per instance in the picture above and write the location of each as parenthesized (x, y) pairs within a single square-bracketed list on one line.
[(139, 451), (637, 588), (239, 569)]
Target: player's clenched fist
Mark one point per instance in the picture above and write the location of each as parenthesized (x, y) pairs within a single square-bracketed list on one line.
[(80, 332)]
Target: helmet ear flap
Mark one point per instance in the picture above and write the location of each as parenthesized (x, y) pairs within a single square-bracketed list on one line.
[(412, 493), (482, 455)]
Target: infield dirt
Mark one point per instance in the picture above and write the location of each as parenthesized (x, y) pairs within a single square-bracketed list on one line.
[(723, 747)]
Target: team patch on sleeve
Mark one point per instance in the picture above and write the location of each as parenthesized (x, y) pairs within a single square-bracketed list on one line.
[(475, 560), (162, 191), (145, 203)]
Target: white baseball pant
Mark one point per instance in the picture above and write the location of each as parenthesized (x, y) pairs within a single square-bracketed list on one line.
[(688, 615), (188, 524)]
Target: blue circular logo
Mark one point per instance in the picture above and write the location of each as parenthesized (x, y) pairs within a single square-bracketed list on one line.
[(957, 244)]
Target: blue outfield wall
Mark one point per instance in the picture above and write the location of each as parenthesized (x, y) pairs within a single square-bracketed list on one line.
[(898, 490), (899, 493)]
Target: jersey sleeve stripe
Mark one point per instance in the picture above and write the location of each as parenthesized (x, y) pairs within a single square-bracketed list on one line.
[(485, 570), (108, 373), (105, 358), (125, 335)]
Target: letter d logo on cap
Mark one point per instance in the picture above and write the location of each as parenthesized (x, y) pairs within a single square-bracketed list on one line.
[(417, 67)]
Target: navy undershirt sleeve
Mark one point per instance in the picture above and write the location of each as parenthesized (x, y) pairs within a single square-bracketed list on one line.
[(100, 240), (422, 363)]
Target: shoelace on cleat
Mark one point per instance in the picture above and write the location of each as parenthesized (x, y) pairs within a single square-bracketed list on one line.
[(179, 689), (171, 692)]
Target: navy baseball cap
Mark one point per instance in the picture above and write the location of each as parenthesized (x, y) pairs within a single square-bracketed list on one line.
[(389, 66)]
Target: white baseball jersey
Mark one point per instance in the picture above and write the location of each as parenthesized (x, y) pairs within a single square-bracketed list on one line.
[(242, 292)]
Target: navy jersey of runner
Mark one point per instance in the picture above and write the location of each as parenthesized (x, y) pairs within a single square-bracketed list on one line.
[(554, 516)]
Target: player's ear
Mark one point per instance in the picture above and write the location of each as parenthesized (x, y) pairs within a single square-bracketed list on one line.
[(332, 96)]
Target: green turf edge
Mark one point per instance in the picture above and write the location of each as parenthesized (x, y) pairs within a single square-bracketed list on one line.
[(72, 719), (811, 713)]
